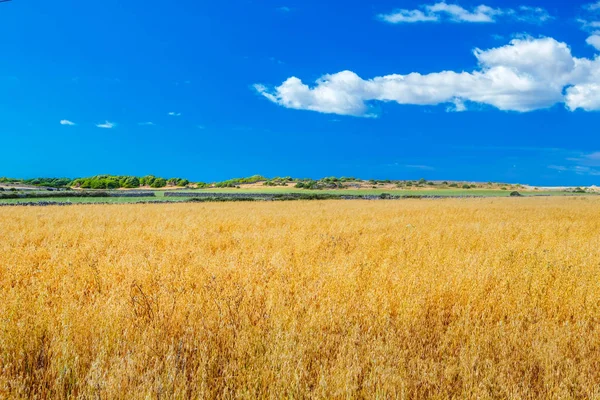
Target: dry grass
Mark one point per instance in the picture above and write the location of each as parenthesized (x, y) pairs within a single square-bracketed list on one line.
[(407, 299)]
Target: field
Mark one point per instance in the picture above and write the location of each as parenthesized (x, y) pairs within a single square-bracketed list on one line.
[(454, 298), (160, 194)]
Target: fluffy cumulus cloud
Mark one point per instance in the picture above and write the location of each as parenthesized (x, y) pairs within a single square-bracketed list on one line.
[(67, 122), (443, 11), (525, 75)]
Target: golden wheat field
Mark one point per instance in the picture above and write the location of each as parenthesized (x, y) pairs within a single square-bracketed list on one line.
[(478, 298)]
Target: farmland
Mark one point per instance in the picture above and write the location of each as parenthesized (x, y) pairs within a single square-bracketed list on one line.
[(478, 298), (226, 193), (125, 189)]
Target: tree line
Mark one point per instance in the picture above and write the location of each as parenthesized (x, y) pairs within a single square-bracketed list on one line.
[(102, 182)]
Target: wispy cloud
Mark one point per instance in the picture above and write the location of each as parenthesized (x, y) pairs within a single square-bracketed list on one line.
[(411, 166), (276, 61), (284, 9), (576, 169), (200, 127), (146, 123), (591, 24), (106, 125), (442, 11), (516, 149), (587, 159), (592, 6), (67, 122), (531, 15), (421, 167), (581, 164), (175, 114)]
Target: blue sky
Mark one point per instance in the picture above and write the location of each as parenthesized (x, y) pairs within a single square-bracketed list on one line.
[(387, 89)]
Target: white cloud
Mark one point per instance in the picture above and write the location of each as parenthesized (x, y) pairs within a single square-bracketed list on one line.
[(532, 15), (174, 114), (67, 122), (284, 9), (457, 13), (408, 16), (443, 11), (525, 75), (457, 106), (149, 123), (594, 40), (592, 27), (106, 125)]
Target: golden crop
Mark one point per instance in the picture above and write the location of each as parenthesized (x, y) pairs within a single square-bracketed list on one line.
[(472, 298)]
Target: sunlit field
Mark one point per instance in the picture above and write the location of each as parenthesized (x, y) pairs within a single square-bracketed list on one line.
[(463, 298)]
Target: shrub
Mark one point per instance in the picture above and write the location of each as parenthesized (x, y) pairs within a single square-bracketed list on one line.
[(131, 182), (159, 183), (112, 184)]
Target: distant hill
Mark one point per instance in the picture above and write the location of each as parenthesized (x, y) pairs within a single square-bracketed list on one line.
[(111, 182)]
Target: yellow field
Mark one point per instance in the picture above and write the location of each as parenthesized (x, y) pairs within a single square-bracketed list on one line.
[(471, 298)]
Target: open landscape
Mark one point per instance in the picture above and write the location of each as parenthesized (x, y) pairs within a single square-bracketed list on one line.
[(131, 189), (454, 298), (300, 199)]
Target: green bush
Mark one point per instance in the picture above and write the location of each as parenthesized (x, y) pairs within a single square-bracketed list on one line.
[(158, 183)]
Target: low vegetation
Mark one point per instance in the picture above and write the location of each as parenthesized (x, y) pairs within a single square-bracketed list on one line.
[(492, 298), (102, 182), (110, 182), (240, 181), (129, 182)]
